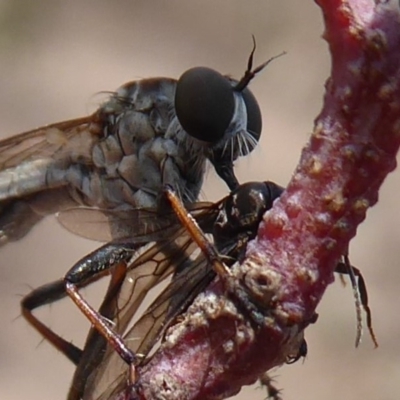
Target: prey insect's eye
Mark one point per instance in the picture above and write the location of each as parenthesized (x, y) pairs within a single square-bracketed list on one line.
[(204, 103)]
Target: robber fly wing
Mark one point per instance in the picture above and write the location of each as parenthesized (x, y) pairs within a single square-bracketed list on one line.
[(111, 225), (174, 299), (89, 223), (170, 254), (195, 276), (144, 224), (148, 329), (180, 255), (149, 266), (148, 270), (46, 142)]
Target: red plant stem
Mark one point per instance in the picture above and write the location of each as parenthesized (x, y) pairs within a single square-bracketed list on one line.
[(214, 350)]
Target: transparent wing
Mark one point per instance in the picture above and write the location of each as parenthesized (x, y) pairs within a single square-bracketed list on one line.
[(194, 276), (110, 225), (147, 331), (148, 270), (172, 253), (69, 137), (150, 267)]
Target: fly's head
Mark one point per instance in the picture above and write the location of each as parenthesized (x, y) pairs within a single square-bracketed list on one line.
[(222, 113), (243, 210)]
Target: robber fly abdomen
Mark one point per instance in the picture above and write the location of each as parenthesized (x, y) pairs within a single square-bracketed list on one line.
[(148, 134)]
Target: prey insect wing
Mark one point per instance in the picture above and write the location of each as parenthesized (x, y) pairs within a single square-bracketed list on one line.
[(232, 223), (111, 376), (151, 264), (173, 255)]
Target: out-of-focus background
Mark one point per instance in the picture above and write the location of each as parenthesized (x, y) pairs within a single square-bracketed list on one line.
[(55, 56)]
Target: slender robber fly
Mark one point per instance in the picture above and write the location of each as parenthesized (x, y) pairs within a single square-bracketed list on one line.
[(231, 223), (148, 134)]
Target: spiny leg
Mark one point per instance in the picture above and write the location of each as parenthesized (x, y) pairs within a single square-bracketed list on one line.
[(89, 269), (99, 322), (109, 259), (360, 294), (268, 383), (103, 333), (43, 295), (94, 347), (301, 353), (101, 326)]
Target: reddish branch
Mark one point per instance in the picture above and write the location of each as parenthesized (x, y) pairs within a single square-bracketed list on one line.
[(214, 350)]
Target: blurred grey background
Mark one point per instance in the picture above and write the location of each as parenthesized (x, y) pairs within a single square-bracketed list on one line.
[(55, 56)]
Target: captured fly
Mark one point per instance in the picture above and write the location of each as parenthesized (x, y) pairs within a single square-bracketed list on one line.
[(231, 223), (148, 134)]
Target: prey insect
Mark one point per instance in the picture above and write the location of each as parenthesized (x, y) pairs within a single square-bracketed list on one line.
[(232, 223), (148, 134)]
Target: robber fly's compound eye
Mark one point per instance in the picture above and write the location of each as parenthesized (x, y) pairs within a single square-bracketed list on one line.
[(254, 120), (204, 103)]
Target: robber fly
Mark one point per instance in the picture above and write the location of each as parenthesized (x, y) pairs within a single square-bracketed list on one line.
[(231, 223), (149, 133)]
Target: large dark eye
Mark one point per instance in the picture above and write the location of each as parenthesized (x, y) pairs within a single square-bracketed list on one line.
[(254, 120), (204, 103)]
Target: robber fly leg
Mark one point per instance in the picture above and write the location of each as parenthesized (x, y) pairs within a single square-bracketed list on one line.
[(95, 345), (108, 259), (16, 220), (301, 353), (85, 272), (43, 295), (213, 257), (268, 383), (360, 294), (196, 233), (101, 325)]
